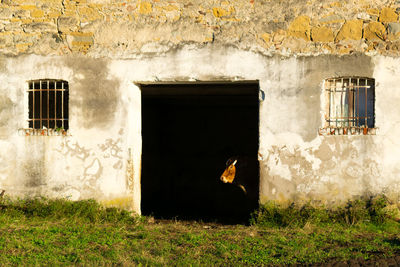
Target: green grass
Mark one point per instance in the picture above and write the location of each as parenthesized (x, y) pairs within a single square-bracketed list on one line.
[(59, 232)]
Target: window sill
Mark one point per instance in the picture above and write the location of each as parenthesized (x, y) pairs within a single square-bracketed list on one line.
[(332, 130), (43, 132)]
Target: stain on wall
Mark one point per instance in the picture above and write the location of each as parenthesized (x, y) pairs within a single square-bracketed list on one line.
[(8, 162), (35, 173), (6, 113), (93, 93), (112, 149), (34, 165)]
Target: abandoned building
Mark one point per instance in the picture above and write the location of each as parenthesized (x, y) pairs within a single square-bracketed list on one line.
[(139, 104)]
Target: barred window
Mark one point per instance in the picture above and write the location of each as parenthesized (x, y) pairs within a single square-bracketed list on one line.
[(48, 104), (351, 103)]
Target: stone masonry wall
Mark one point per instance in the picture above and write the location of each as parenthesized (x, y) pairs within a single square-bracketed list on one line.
[(123, 29)]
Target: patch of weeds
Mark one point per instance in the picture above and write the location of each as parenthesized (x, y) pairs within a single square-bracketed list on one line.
[(89, 210), (272, 215), (354, 212), (376, 209)]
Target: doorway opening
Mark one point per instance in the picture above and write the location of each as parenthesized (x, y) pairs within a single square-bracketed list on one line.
[(189, 131)]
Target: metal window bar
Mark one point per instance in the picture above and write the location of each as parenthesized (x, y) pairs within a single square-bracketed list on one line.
[(348, 95), (334, 106), (366, 104), (55, 107), (62, 104), (48, 104), (341, 103), (330, 93), (37, 86), (358, 101), (41, 105), (33, 106)]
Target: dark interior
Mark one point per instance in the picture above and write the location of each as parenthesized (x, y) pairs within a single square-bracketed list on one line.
[(189, 131)]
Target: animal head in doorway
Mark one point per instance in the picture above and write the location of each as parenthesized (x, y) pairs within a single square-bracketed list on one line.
[(230, 171), (229, 174)]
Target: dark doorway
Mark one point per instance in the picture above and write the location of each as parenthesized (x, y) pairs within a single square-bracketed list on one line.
[(189, 131)]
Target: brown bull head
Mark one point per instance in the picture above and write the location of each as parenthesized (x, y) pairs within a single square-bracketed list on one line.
[(230, 173)]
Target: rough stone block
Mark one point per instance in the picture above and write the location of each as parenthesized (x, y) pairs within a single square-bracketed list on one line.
[(82, 37), (21, 48), (40, 27), (6, 39), (393, 28), (80, 41), (5, 13), (220, 12), (266, 37), (373, 12), (388, 15), (333, 18), (89, 14), (69, 9), (13, 26), (67, 24), (47, 44), (334, 4), (351, 30), (145, 8), (37, 13), (322, 34), (54, 14), (23, 38), (375, 31), (21, 13), (300, 28)]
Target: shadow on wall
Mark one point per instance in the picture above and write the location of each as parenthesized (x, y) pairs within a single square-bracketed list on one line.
[(93, 92), (6, 116)]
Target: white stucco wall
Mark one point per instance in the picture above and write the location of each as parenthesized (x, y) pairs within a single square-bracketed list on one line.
[(100, 158)]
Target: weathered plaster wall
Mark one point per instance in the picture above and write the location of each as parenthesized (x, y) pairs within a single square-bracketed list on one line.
[(93, 159), (102, 47), (101, 157), (297, 163), (300, 164)]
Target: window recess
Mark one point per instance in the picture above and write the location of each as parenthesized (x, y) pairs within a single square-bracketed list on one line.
[(48, 104), (350, 106)]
